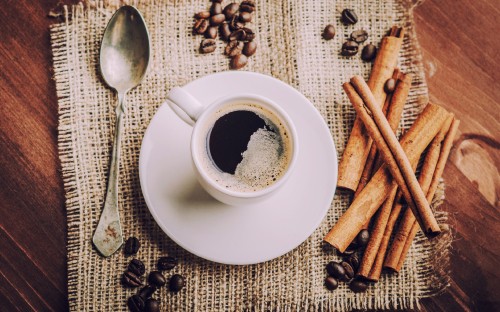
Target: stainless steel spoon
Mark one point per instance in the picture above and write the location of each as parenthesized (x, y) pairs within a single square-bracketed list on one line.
[(124, 59)]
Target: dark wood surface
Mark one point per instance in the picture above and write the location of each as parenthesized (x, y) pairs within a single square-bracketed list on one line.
[(460, 44)]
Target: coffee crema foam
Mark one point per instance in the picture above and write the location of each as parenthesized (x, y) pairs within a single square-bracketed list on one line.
[(266, 158)]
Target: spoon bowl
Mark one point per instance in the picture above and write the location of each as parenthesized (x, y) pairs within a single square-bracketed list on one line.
[(124, 59)]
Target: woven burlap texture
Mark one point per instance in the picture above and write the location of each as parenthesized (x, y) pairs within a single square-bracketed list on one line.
[(290, 49)]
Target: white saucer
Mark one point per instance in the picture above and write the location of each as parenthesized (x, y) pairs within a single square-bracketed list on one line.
[(231, 234)]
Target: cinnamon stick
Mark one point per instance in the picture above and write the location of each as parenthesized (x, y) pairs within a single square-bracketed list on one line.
[(423, 130), (359, 144), (393, 155), (431, 172)]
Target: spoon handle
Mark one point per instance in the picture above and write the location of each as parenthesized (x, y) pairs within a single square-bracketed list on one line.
[(108, 235)]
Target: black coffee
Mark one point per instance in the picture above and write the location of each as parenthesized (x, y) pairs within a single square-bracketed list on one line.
[(230, 136), (247, 148)]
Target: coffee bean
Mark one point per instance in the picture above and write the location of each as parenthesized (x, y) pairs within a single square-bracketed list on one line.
[(200, 26), (157, 279), (211, 32), (132, 246), (135, 303), (218, 1), (359, 36), (357, 285), (336, 270), (350, 249), (130, 279), (354, 261), (348, 17), (349, 271), (247, 6), (237, 35), (245, 17), (176, 281), (349, 48), (224, 31), (230, 10), (218, 19), (216, 8), (249, 34), (152, 305), (250, 48), (233, 48), (202, 15), (137, 267), (207, 46), (331, 283), (235, 24), (369, 52), (329, 32), (167, 263), (146, 292), (238, 61), (363, 238), (389, 86)]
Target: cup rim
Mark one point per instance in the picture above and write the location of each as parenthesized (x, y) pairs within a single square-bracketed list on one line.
[(267, 103)]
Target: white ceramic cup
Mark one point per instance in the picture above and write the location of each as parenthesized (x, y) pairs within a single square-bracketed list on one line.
[(202, 119)]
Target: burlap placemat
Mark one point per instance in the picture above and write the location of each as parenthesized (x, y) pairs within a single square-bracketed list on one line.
[(290, 49)]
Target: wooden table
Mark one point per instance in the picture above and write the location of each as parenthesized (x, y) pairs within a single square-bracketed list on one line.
[(460, 45)]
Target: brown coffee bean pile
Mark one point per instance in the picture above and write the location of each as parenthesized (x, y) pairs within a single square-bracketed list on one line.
[(133, 278), (352, 45), (230, 24), (346, 269)]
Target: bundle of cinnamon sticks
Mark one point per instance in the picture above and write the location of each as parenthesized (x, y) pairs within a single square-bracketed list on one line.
[(381, 170)]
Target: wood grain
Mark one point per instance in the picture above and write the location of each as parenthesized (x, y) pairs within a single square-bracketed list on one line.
[(460, 45)]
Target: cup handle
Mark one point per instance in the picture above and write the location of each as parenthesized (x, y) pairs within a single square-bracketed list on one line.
[(184, 105)]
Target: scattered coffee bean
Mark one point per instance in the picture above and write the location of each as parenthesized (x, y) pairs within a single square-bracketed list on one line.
[(363, 238), (349, 271), (230, 10), (359, 36), (146, 292), (132, 246), (350, 249), (235, 24), (207, 46), (237, 35), (348, 17), (354, 261), (247, 6), (349, 48), (233, 48), (329, 32), (167, 263), (202, 15), (331, 283), (336, 270), (216, 8), (249, 35), (176, 281), (130, 279), (369, 52), (211, 32), (389, 86), (238, 61), (137, 267), (217, 19), (250, 48), (152, 305), (135, 303), (224, 31), (245, 17), (200, 26), (157, 279), (357, 285)]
